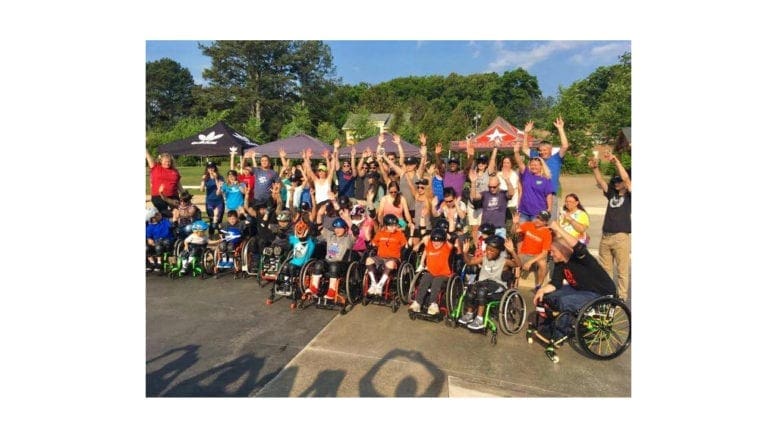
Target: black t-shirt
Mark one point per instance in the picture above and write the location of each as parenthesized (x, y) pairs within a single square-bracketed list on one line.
[(583, 272), (618, 215)]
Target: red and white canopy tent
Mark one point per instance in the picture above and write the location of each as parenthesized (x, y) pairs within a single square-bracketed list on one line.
[(500, 133)]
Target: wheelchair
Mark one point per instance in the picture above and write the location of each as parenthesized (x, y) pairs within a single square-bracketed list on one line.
[(393, 289), (200, 266), (289, 286), (601, 328), (506, 309), (238, 255), (348, 288), (270, 260), (455, 281)]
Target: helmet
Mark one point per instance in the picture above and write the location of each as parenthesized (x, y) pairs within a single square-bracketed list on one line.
[(284, 216), (304, 206), (390, 219), (344, 201), (339, 223), (186, 196), (199, 225), (150, 213), (441, 223), (357, 210), (301, 228), (496, 242), (487, 229), (438, 235)]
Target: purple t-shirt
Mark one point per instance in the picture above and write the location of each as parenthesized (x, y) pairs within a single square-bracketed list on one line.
[(264, 180), (535, 193), (494, 208), (454, 180)]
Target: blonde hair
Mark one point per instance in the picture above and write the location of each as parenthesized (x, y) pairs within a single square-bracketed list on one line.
[(545, 170), (167, 155)]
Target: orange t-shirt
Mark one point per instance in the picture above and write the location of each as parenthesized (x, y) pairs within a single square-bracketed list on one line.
[(437, 260), (534, 240), (389, 245)]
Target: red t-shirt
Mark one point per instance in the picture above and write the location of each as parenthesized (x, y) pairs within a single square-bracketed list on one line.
[(389, 244), (250, 181), (534, 240), (437, 260), (169, 177)]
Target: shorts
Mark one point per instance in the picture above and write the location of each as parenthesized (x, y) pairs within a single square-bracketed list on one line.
[(381, 262), (474, 215)]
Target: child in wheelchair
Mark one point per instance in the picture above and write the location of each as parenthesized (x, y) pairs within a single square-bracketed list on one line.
[(437, 254), (233, 232), (184, 214), (495, 275), (194, 245), (338, 243), (159, 238), (302, 246), (389, 242), (586, 280)]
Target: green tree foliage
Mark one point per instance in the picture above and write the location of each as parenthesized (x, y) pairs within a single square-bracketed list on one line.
[(300, 122), (363, 127), (327, 132), (263, 79), (168, 92)]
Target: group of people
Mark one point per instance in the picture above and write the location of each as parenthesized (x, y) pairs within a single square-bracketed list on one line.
[(503, 222)]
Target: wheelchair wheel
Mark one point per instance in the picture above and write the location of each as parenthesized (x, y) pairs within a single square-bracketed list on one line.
[(247, 255), (453, 294), (603, 328), (177, 248), (365, 288), (412, 290), (512, 312), (353, 283), (305, 275), (404, 277), (208, 262)]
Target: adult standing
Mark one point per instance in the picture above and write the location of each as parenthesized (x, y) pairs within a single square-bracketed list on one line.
[(507, 173), (410, 171), (346, 176), (554, 161), (453, 176), (165, 181), (478, 176), (615, 244), (244, 174), (494, 201), (536, 188), (264, 178)]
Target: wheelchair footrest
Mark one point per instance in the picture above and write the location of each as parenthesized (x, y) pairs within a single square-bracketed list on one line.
[(436, 318)]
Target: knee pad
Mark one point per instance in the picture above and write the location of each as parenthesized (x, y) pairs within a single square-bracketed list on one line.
[(317, 268), (334, 269)]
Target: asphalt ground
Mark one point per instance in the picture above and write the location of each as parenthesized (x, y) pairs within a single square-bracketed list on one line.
[(217, 337)]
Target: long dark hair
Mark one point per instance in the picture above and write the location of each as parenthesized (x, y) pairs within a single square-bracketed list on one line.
[(579, 205), (398, 199)]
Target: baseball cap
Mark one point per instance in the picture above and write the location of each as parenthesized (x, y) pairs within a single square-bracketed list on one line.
[(422, 182), (482, 158), (453, 159), (322, 167), (544, 215), (616, 179), (411, 160)]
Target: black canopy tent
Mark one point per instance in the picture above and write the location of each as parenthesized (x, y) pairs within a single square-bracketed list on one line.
[(216, 140)]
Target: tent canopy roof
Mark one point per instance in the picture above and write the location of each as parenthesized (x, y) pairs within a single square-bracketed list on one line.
[(499, 132), (293, 146), (216, 140)]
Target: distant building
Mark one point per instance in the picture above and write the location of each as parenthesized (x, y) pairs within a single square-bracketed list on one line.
[(623, 143), (381, 121)]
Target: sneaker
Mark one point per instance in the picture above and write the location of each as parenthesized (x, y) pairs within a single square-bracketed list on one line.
[(419, 269), (229, 264), (415, 307), (466, 318), (433, 310), (476, 324), (220, 264), (157, 267), (149, 269)]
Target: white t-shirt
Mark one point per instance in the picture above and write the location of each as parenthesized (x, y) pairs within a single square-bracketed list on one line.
[(323, 187), (513, 201)]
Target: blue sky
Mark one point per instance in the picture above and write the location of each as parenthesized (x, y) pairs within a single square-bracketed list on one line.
[(553, 63)]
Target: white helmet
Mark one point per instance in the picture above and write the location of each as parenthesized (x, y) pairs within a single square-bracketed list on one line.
[(151, 211)]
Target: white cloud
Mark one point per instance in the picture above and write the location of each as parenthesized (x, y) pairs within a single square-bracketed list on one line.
[(508, 59), (603, 52), (475, 49)]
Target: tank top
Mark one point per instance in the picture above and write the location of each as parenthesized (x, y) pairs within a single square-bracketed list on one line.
[(389, 208), (322, 191), (493, 269), (404, 185), (418, 208)]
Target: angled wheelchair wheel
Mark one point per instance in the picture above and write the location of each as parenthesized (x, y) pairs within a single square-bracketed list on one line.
[(208, 262), (404, 277), (603, 328), (353, 283), (304, 275), (453, 297), (365, 288), (177, 248), (247, 255), (512, 312), (412, 290)]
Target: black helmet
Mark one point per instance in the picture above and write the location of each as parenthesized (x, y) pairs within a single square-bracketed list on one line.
[(487, 229), (441, 223), (304, 206), (496, 242), (390, 219), (344, 201), (438, 235)]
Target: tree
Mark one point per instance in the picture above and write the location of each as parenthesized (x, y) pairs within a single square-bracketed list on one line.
[(515, 92), (263, 79), (362, 125), (300, 122), (168, 92), (327, 132)]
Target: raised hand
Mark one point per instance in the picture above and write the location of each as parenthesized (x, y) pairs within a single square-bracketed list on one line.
[(396, 138), (282, 153), (381, 140), (336, 143), (593, 162), (528, 127), (353, 152), (438, 148), (422, 138), (559, 123)]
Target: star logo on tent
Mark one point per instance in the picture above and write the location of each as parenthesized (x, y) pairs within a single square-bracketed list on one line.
[(208, 139), (496, 136)]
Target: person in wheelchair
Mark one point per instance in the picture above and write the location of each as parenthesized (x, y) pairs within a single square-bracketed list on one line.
[(389, 241), (232, 235), (495, 274), (586, 279), (338, 243), (159, 237), (437, 253), (535, 237), (184, 213), (485, 231), (194, 245), (302, 246), (362, 227)]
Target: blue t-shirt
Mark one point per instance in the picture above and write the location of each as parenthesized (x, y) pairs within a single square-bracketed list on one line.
[(534, 194), (161, 229), (264, 180), (301, 250), (437, 188), (234, 198), (345, 186), (210, 191), (233, 233), (554, 163)]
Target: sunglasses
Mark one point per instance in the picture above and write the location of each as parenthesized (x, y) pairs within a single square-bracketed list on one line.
[(493, 186), (449, 201), (345, 164), (392, 192), (418, 187)]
